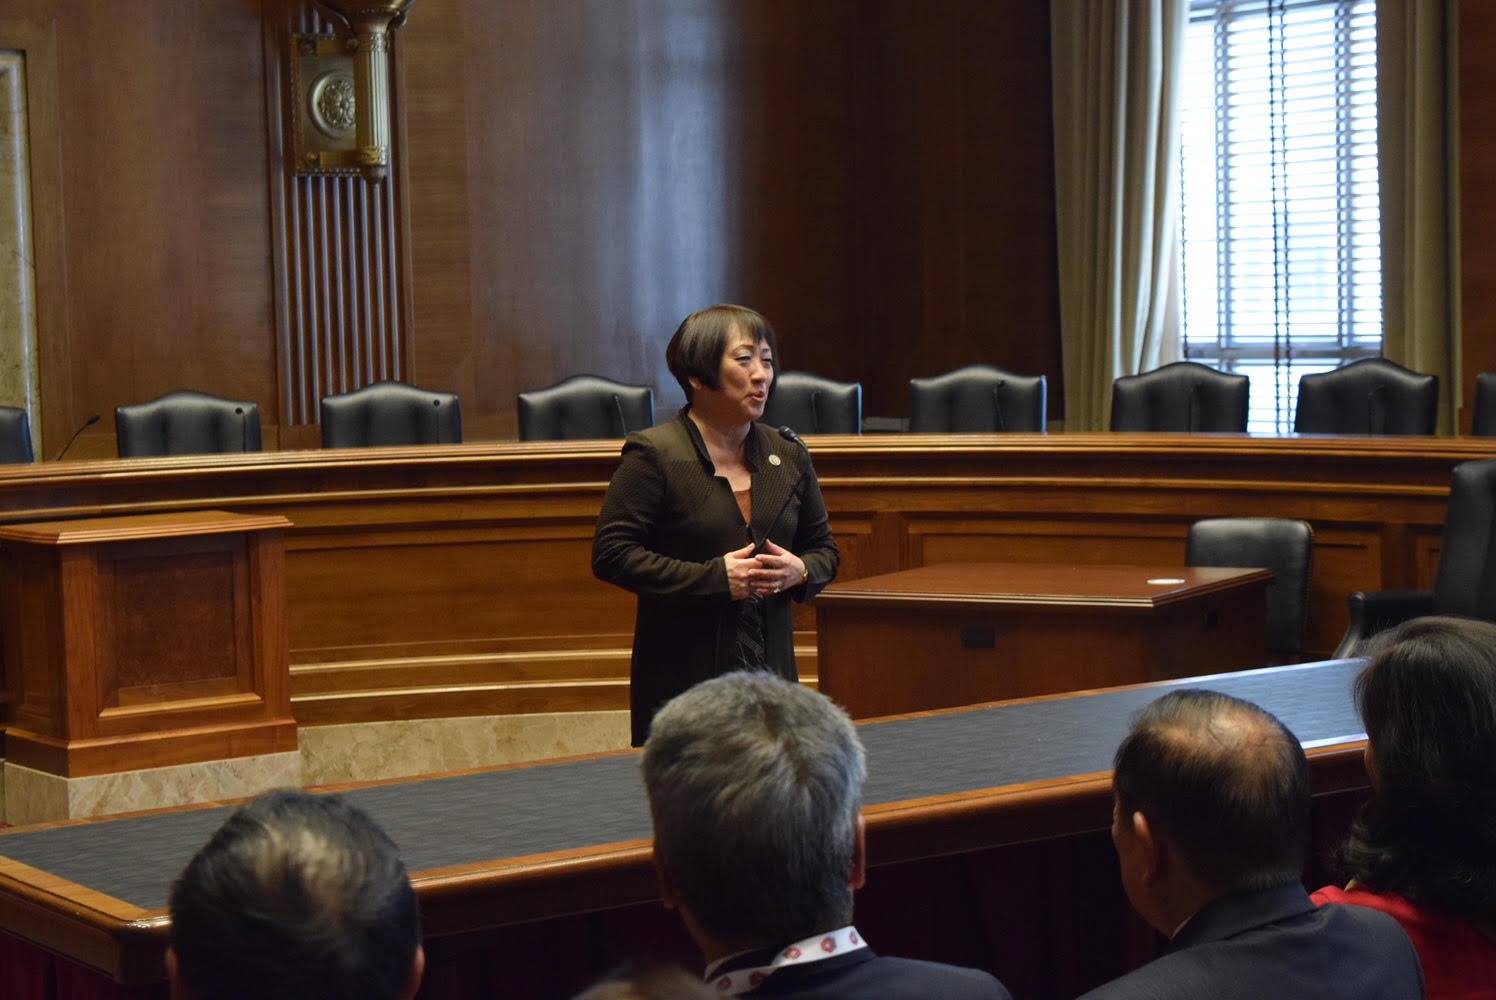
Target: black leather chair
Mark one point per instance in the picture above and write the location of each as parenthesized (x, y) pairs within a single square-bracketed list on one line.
[(187, 423), (390, 413), (1370, 396), (1286, 547), (15, 436), (585, 407), (1465, 584), (977, 399), (1485, 405), (812, 404), (1183, 396)]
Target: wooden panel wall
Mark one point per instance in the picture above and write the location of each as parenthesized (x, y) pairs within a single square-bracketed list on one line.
[(155, 234), (954, 194), (573, 178), (584, 175), (342, 301), (430, 582), (875, 177)]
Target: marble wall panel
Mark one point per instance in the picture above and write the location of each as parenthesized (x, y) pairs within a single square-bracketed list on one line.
[(18, 374), (329, 755), (373, 750), (36, 797)]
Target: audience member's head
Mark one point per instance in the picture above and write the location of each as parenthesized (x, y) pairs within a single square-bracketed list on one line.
[(650, 982), (755, 785), (296, 896), (1212, 799), (1428, 701)]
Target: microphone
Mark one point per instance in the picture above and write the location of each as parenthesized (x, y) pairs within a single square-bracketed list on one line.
[(815, 416), (997, 407), (1194, 404), (623, 425), (86, 425), (788, 433)]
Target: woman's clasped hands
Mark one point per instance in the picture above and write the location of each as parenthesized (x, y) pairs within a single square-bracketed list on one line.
[(766, 573)]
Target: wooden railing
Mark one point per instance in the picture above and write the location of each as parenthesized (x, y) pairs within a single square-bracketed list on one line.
[(456, 580)]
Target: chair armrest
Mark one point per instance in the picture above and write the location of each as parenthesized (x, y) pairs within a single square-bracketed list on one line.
[(1374, 611)]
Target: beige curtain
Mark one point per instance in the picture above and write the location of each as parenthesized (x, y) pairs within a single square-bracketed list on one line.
[(1116, 66), (1417, 124)]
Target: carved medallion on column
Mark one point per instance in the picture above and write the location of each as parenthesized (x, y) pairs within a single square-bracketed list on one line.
[(340, 91)]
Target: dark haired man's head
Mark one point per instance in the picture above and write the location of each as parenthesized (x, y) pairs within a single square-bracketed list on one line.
[(295, 896), (1212, 798), (703, 338), (1428, 701), (755, 787)]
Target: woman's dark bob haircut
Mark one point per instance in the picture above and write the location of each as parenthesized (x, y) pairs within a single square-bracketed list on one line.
[(702, 339), (1428, 701)]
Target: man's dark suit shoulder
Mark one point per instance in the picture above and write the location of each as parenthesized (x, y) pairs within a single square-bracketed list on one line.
[(880, 977), (1333, 953)]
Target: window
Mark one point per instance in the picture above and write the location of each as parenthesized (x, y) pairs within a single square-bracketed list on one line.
[(1280, 236)]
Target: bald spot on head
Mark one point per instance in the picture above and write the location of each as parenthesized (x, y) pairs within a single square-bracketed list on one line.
[(1225, 782)]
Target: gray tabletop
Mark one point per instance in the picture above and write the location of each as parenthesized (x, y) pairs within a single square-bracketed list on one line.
[(445, 821)]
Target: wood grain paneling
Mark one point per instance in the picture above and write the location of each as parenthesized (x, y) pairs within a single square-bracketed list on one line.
[(211, 640), (129, 651), (339, 272), (445, 586), (586, 174), (962, 634), (173, 248), (572, 178), (425, 580), (875, 177), (1085, 542), (954, 196), (152, 224)]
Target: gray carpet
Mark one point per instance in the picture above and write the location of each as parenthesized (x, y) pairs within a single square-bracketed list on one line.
[(440, 822)]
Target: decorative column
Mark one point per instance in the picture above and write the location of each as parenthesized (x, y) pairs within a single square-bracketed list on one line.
[(371, 21), (340, 218)]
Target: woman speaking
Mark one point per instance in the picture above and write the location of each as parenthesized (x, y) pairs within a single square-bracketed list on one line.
[(713, 520)]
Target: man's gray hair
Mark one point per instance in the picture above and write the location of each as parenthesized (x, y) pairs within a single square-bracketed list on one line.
[(755, 785)]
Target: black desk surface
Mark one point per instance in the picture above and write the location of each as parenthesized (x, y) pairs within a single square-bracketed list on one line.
[(442, 822)]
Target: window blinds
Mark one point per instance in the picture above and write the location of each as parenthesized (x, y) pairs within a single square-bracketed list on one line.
[(1280, 236)]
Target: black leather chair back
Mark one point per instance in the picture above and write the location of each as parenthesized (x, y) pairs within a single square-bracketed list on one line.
[(977, 399), (187, 423), (1485, 405), (390, 413), (1183, 396), (15, 436), (1466, 581), (812, 404), (1370, 396), (1283, 546), (584, 407)]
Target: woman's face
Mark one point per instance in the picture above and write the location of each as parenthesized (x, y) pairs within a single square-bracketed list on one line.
[(747, 373)]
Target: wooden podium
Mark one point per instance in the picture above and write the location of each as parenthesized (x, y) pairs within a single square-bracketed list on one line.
[(966, 633), (143, 641)]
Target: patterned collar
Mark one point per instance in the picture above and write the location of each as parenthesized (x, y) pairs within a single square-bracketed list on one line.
[(753, 967)]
